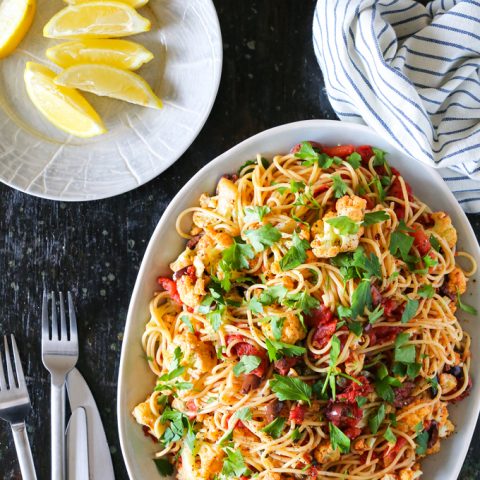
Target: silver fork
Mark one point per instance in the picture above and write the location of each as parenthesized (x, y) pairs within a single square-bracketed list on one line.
[(59, 355), (14, 407)]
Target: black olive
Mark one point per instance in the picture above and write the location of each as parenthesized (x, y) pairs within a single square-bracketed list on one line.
[(456, 371), (434, 388), (432, 434)]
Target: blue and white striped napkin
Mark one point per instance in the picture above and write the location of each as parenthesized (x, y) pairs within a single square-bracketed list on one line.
[(411, 72)]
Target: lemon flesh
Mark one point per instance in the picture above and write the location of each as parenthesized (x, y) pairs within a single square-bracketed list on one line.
[(96, 20), (66, 108), (16, 17), (132, 3), (117, 53), (108, 81)]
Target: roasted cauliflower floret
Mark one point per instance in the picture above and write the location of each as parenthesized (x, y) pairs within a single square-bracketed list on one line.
[(205, 465), (443, 228), (352, 207), (185, 259), (456, 283), (328, 240), (445, 426), (191, 293), (324, 453), (227, 194), (410, 416), (448, 382), (198, 357), (409, 474), (292, 330), (144, 416)]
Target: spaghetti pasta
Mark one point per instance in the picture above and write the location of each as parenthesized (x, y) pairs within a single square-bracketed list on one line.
[(309, 329)]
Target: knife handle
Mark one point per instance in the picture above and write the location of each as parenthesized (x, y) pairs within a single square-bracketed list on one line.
[(23, 451), (57, 415)]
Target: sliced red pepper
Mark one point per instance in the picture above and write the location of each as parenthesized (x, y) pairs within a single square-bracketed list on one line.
[(421, 241), (319, 316), (323, 334), (354, 390), (245, 348), (366, 152), (297, 414), (342, 151), (171, 287), (383, 334), (389, 455)]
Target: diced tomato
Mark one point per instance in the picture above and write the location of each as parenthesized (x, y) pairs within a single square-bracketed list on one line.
[(233, 338), (365, 152), (320, 189), (313, 471), (323, 333), (364, 456), (354, 390), (297, 414), (421, 241), (383, 334), (342, 151), (370, 203), (192, 406), (390, 454), (171, 287), (352, 432), (319, 316), (391, 308)]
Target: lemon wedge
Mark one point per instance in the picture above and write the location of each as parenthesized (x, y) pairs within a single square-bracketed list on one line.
[(96, 20), (132, 3), (16, 16), (117, 53), (66, 108), (108, 81)]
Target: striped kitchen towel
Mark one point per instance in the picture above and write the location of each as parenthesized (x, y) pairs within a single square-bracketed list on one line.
[(412, 72)]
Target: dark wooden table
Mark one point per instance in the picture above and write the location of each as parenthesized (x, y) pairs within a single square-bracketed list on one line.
[(270, 77)]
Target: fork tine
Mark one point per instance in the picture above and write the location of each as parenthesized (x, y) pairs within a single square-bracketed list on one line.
[(73, 318), (3, 382), (17, 362), (8, 361), (54, 318), (63, 320), (45, 332)]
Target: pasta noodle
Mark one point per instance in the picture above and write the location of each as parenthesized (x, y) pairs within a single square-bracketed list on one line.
[(310, 327)]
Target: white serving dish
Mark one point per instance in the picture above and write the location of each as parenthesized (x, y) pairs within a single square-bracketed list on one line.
[(136, 381)]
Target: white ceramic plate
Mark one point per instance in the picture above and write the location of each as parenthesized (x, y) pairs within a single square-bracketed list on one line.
[(135, 379), (39, 159)]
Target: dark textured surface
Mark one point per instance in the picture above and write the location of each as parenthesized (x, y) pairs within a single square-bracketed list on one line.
[(270, 77)]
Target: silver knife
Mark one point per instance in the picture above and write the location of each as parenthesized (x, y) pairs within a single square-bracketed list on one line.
[(99, 459), (77, 446)]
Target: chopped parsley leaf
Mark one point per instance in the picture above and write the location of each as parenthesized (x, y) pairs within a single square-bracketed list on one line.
[(274, 429), (263, 237), (410, 310), (466, 308), (338, 439), (290, 388), (375, 217), (247, 364), (256, 213), (426, 291), (376, 420), (355, 160), (389, 436), (277, 349), (164, 467), (296, 255), (345, 225), (339, 186)]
